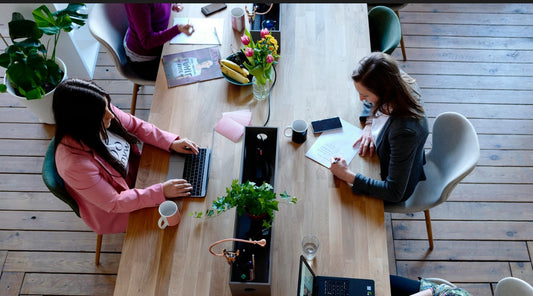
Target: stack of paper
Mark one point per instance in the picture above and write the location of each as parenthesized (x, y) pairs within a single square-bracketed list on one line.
[(335, 143), (232, 124), (206, 31)]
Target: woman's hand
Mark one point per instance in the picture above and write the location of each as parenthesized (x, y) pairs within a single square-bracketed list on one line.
[(366, 142), (176, 188), (186, 29), (339, 168), (177, 7), (184, 145)]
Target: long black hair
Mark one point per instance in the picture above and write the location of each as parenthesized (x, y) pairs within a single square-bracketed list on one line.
[(380, 74), (79, 108)]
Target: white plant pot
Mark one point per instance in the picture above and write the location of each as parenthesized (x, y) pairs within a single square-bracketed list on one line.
[(42, 107)]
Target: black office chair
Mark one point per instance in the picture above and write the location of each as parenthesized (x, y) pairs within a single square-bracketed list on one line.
[(108, 24), (56, 185)]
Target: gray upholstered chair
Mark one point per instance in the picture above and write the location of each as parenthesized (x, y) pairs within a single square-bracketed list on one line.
[(454, 154), (108, 24), (513, 286), (56, 185)]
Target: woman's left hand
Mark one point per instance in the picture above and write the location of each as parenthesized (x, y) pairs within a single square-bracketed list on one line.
[(177, 7), (184, 145), (365, 142)]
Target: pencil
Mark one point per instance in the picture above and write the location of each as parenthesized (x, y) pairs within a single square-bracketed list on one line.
[(216, 35)]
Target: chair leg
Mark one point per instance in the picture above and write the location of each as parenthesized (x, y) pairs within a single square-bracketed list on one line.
[(401, 39), (134, 98), (98, 248), (428, 227)]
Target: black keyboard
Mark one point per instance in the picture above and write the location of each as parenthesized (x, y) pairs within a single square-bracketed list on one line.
[(196, 171), (336, 288)]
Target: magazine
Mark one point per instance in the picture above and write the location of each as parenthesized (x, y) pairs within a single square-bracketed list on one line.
[(192, 66)]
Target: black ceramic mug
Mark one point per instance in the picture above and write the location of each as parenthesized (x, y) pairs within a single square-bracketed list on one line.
[(299, 131)]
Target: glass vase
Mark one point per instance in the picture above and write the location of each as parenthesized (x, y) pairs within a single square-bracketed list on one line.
[(260, 91)]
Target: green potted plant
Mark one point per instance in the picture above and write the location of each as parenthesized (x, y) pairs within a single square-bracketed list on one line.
[(32, 70), (259, 202)]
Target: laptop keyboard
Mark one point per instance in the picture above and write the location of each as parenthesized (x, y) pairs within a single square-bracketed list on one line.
[(196, 171), (336, 288)]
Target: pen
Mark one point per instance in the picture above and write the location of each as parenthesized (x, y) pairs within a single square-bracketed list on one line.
[(250, 267), (253, 262), (216, 35)]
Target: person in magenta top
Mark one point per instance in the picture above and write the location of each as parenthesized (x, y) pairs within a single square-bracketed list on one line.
[(97, 154), (148, 31)]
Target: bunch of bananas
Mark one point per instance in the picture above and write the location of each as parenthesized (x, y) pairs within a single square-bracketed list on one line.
[(234, 71)]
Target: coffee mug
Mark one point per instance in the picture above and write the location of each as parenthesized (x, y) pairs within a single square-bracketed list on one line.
[(170, 214), (299, 131), (237, 19)]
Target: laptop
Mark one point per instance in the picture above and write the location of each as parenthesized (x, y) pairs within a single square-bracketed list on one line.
[(193, 168), (311, 285)]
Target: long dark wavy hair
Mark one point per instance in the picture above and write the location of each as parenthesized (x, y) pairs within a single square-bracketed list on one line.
[(380, 74), (79, 109)]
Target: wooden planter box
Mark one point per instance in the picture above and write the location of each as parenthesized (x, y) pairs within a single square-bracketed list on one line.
[(259, 163)]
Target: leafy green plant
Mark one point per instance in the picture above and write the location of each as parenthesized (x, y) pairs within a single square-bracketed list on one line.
[(29, 69), (247, 198)]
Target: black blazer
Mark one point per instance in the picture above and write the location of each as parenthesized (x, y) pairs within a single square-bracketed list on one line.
[(400, 148)]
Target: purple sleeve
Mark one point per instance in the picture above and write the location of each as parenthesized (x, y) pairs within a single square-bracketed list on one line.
[(140, 21)]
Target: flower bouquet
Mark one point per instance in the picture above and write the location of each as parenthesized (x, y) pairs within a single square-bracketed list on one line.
[(261, 55)]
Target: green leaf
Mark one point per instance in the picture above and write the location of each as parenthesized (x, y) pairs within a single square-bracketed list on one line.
[(5, 59), (22, 28), (3, 88), (45, 20)]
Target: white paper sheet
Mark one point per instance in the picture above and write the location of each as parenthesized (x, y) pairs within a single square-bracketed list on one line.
[(206, 31), (335, 143)]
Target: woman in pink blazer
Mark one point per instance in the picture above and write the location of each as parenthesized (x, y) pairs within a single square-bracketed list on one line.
[(97, 156)]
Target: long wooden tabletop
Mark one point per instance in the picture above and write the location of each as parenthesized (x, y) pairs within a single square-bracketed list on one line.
[(320, 46)]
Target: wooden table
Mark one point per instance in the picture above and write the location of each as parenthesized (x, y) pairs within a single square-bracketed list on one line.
[(320, 46)]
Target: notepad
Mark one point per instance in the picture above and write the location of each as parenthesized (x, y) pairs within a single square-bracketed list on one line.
[(206, 31), (335, 143), (232, 124)]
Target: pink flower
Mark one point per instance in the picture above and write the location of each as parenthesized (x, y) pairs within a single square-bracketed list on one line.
[(245, 40), (270, 58), (249, 52), (264, 32)]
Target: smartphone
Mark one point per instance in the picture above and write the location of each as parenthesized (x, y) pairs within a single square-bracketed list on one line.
[(212, 8), (326, 124)]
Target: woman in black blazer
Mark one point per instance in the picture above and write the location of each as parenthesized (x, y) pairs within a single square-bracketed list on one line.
[(395, 127)]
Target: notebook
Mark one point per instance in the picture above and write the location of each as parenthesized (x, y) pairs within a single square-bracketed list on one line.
[(193, 168), (311, 285)]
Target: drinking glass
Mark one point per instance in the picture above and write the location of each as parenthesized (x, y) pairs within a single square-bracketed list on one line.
[(310, 245)]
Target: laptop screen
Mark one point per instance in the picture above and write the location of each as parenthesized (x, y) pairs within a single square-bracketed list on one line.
[(306, 279)]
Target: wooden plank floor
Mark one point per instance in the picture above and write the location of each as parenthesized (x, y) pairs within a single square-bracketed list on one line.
[(475, 59)]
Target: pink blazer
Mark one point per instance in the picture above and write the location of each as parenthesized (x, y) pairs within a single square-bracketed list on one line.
[(103, 196)]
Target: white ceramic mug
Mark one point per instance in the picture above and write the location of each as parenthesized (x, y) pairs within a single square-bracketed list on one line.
[(237, 19), (170, 214), (299, 131)]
